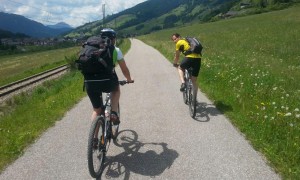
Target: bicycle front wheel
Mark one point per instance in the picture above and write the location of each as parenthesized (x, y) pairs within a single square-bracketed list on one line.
[(115, 127), (192, 100), (96, 150), (185, 96)]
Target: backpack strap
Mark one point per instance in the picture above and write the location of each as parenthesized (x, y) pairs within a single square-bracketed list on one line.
[(103, 62)]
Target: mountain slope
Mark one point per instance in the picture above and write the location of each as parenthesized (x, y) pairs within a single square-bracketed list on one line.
[(154, 15), (19, 24)]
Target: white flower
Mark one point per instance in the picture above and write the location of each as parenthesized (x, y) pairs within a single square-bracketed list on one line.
[(297, 115), (297, 110), (288, 114), (273, 103), (274, 88), (287, 95)]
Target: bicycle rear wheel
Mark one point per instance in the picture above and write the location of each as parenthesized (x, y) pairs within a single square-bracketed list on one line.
[(192, 100), (115, 128), (96, 150)]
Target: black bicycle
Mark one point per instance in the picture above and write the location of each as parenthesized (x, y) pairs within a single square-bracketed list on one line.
[(101, 132), (189, 94)]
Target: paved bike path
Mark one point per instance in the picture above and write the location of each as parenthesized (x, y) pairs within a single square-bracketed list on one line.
[(158, 138)]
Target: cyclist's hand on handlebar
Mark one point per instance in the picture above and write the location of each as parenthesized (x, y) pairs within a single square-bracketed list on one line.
[(125, 82), (130, 81)]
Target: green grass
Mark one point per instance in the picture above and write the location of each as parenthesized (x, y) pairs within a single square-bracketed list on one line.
[(36, 112), (251, 69), (30, 114), (15, 67)]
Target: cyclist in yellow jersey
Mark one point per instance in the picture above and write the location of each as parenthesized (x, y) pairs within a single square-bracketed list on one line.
[(190, 60)]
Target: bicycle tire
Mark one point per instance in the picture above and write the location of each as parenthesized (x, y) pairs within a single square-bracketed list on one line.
[(185, 92), (96, 153), (192, 100), (185, 96), (115, 128)]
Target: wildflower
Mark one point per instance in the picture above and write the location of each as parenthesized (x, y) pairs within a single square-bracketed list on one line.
[(288, 114), (297, 115), (272, 118), (291, 124), (297, 110), (279, 113), (274, 88), (287, 95), (265, 116), (273, 103)]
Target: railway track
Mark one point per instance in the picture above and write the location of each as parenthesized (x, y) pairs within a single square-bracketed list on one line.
[(29, 82)]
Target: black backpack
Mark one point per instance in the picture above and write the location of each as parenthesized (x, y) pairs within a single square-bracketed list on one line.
[(96, 56), (195, 46)]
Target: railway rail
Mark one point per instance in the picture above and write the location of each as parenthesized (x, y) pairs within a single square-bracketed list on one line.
[(26, 83)]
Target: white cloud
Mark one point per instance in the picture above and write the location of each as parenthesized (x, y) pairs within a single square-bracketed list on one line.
[(73, 12)]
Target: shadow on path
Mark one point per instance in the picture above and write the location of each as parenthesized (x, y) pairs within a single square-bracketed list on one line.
[(204, 110), (148, 159)]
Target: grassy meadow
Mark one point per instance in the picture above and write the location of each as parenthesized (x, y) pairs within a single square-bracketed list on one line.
[(15, 67), (251, 70), (19, 126)]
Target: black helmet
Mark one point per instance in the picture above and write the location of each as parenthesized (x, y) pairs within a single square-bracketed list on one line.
[(107, 32)]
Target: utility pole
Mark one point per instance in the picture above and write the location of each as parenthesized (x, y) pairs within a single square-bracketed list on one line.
[(103, 10)]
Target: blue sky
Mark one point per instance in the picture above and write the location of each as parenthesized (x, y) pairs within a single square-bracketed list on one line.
[(72, 12)]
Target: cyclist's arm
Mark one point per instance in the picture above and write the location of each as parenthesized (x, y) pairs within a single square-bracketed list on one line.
[(176, 57), (125, 70)]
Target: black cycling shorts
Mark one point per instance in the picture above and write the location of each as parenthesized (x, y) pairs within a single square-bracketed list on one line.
[(186, 63), (95, 87)]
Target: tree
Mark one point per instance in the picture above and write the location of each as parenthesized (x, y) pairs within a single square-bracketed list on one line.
[(170, 21)]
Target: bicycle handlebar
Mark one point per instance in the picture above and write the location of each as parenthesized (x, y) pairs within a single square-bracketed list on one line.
[(125, 82)]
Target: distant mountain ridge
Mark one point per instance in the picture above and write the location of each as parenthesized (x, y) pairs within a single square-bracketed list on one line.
[(60, 25), (19, 24)]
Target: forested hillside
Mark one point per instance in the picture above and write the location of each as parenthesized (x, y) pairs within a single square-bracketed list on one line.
[(153, 15)]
